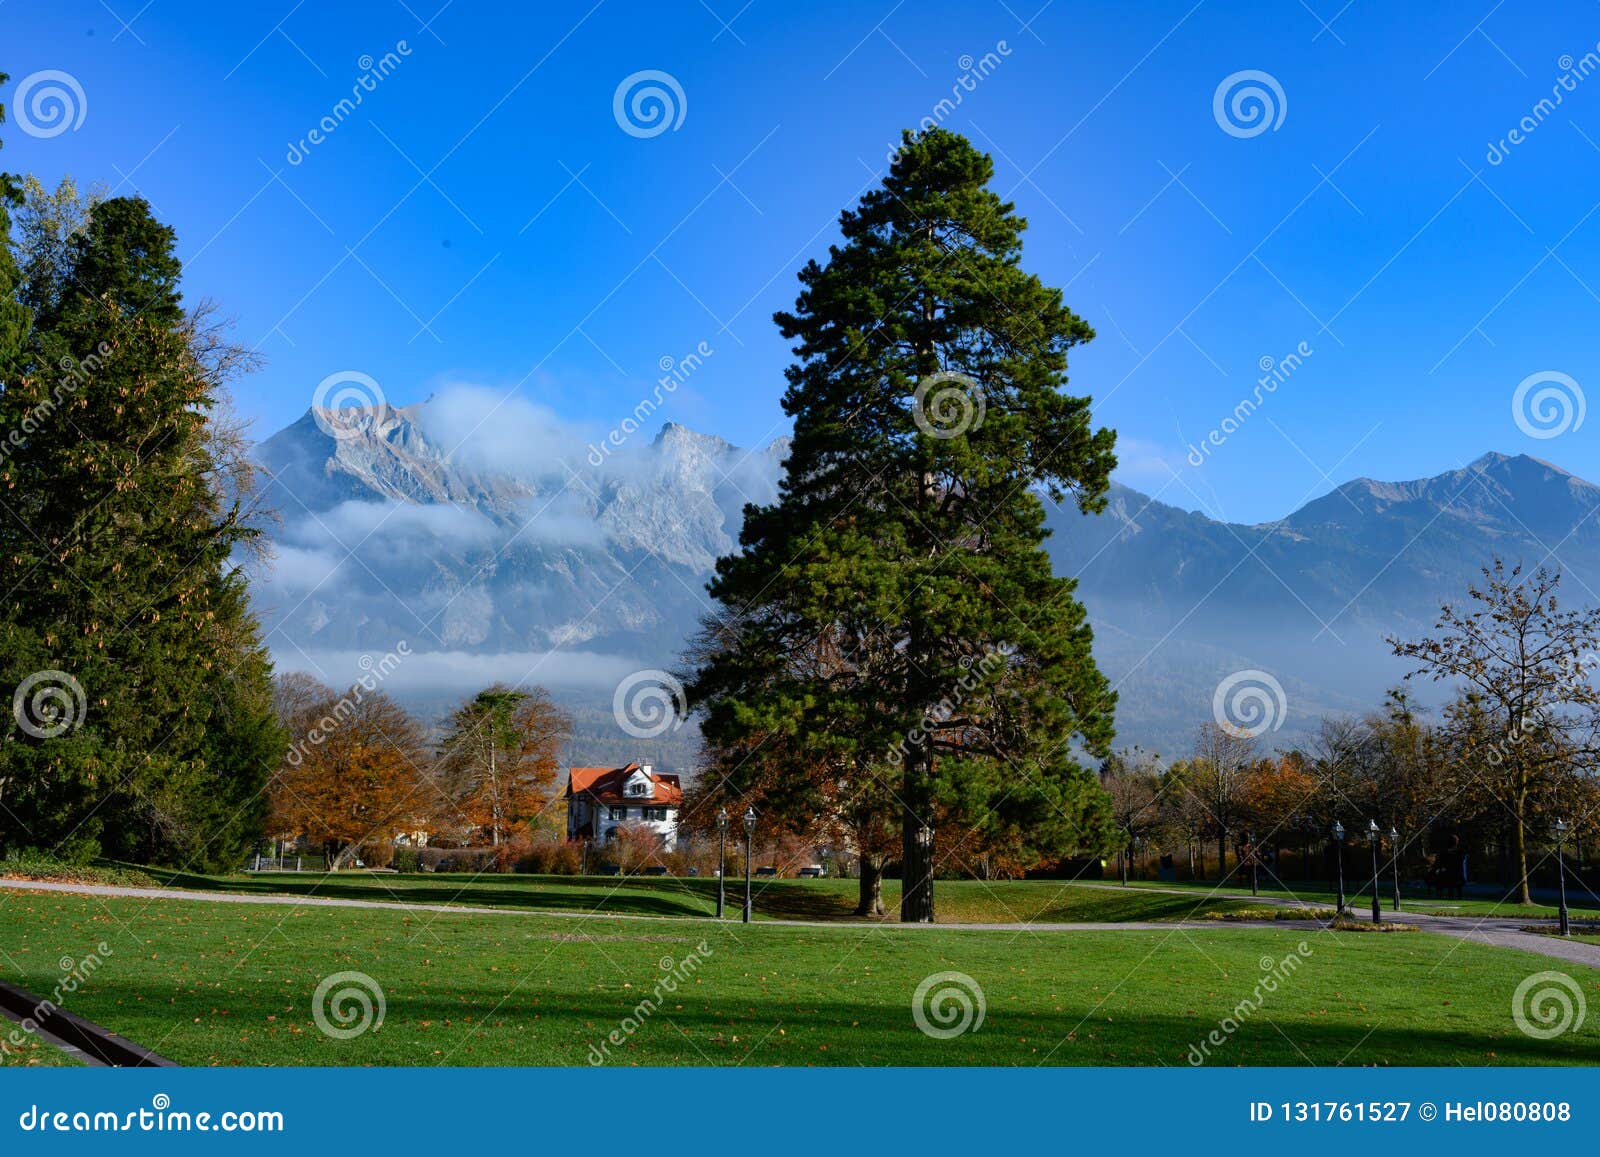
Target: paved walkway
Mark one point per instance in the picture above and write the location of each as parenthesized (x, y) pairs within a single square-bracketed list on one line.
[(1497, 931)]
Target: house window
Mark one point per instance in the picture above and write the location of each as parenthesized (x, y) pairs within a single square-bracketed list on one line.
[(619, 813), (655, 813), (639, 787)]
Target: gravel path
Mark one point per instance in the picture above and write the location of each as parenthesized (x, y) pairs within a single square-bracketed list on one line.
[(1496, 931)]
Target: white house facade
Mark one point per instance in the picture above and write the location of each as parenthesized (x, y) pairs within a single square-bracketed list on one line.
[(602, 801)]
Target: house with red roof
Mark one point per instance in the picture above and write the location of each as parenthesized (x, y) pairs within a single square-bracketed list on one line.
[(601, 801)]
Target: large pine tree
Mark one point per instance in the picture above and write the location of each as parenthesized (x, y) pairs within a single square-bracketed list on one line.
[(895, 606), (118, 541)]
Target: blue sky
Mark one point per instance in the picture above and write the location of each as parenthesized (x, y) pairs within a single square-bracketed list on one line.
[(482, 218)]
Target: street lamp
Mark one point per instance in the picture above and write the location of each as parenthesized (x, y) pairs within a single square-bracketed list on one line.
[(722, 860), (1561, 874), (1338, 843), (1373, 839), (1394, 863), (749, 842)]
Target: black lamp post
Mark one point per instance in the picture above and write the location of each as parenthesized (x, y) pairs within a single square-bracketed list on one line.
[(722, 860), (1561, 874), (1374, 840), (749, 842), (1338, 846), (1394, 863)]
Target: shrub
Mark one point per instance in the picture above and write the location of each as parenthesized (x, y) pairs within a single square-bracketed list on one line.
[(405, 859), (378, 854), (456, 859), (32, 866)]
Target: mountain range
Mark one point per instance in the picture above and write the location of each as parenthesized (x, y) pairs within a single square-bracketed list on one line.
[(489, 542)]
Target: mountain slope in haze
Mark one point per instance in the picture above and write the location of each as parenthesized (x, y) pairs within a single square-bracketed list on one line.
[(506, 546)]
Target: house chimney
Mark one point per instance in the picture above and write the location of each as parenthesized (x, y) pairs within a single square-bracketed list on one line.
[(648, 770)]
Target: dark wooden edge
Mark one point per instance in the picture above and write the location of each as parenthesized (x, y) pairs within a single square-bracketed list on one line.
[(98, 1043)]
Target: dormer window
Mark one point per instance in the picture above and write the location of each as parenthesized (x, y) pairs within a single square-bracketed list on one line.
[(639, 786)]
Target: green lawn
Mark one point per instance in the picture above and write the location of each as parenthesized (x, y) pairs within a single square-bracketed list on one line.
[(233, 984), (31, 1053), (959, 901)]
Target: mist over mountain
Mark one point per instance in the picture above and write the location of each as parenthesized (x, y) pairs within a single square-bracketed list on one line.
[(493, 541)]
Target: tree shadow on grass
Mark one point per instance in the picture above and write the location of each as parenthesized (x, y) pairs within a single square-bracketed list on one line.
[(483, 1025)]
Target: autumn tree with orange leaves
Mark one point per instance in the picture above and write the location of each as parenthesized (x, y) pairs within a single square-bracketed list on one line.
[(356, 773)]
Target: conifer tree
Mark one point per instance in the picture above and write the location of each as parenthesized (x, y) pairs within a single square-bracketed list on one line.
[(122, 542), (895, 604)]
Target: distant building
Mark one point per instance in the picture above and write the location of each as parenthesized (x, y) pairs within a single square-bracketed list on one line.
[(603, 800)]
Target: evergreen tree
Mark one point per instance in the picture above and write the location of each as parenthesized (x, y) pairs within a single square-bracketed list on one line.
[(895, 605), (127, 595)]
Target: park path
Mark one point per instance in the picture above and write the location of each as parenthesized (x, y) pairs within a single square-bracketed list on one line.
[(1495, 931)]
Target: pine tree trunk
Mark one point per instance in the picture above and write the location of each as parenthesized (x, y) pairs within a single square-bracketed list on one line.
[(871, 901), (1222, 857)]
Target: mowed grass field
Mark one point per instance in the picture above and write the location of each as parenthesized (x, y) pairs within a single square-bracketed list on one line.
[(231, 984), (958, 901)]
